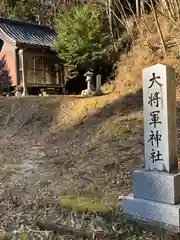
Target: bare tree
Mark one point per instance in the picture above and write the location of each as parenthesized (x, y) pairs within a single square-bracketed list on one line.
[(158, 27)]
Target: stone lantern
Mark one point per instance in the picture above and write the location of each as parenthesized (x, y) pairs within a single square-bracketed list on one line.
[(88, 76)]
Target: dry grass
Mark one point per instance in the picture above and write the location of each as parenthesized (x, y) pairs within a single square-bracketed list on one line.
[(66, 146), (82, 131), (129, 78), (75, 109)]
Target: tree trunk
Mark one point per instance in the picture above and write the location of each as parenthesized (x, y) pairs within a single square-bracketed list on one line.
[(158, 28), (138, 8)]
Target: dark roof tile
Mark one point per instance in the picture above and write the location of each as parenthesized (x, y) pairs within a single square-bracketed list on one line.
[(27, 33)]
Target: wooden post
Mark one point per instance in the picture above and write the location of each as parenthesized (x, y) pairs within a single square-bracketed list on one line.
[(21, 55), (34, 66), (17, 66), (57, 78)]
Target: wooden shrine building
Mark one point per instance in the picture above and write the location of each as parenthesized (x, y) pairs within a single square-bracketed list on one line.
[(26, 58)]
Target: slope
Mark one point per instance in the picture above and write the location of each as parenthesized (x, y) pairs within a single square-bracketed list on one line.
[(59, 146)]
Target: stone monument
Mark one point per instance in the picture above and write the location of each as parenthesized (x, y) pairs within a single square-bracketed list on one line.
[(156, 188), (98, 85)]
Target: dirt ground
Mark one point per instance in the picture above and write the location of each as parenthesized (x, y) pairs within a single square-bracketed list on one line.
[(52, 147), (66, 146)]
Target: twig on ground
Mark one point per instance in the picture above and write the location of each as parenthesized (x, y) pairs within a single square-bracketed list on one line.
[(65, 230)]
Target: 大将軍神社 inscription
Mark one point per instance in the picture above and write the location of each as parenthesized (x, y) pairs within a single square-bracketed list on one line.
[(155, 136), (159, 96)]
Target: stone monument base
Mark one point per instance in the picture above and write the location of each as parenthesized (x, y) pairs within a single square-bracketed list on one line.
[(87, 93), (156, 186), (146, 210), (156, 197), (98, 93)]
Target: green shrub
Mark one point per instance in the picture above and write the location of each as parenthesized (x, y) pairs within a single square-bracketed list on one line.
[(82, 41)]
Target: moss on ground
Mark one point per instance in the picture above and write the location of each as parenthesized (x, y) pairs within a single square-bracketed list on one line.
[(84, 204)]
